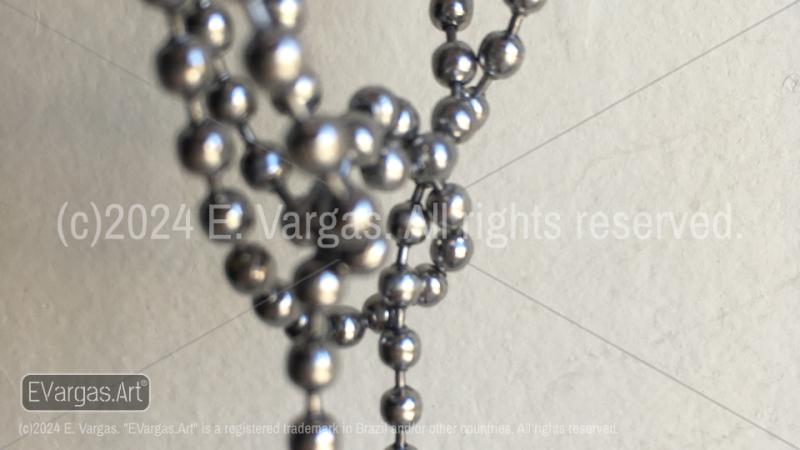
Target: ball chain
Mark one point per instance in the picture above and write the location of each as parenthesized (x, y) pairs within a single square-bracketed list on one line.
[(380, 136)]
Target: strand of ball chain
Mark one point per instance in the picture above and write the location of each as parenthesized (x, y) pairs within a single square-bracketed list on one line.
[(456, 117), (274, 59), (205, 148), (269, 56)]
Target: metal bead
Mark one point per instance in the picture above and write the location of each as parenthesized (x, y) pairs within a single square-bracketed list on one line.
[(391, 170), (408, 223), (286, 14), (379, 103), (434, 282), (171, 5), (316, 144), (225, 215), (263, 165), (347, 328), (317, 283), (313, 432), (249, 268), (452, 250), (368, 259), (399, 285), (480, 109), (526, 7), (298, 327), (184, 66), (407, 124), (311, 364), (364, 138), (357, 221), (213, 26), (396, 446), (399, 349), (449, 206), (231, 101), (274, 57), (205, 148), (296, 223), (401, 406), (454, 117), (451, 13), (454, 62), (298, 98), (346, 220), (433, 157), (278, 307), (377, 312), (501, 54)]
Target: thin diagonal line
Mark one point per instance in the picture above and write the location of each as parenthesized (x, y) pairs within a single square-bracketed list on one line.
[(73, 41), (635, 92), (633, 356), (193, 340)]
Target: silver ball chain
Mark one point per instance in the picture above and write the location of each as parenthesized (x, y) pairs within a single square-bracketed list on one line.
[(379, 136)]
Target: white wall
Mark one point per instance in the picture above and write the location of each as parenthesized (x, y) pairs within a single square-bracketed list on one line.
[(677, 343)]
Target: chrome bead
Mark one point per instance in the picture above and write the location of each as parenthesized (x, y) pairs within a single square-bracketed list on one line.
[(317, 144), (399, 285), (298, 328), (263, 165), (480, 109), (454, 117), (286, 14), (367, 259), (278, 307), (433, 157), (346, 325), (449, 206), (213, 26), (377, 312), (407, 124), (345, 221), (391, 170), (500, 54), (401, 406), (452, 250), (454, 62), (408, 223), (249, 268), (298, 98), (434, 282), (526, 7), (364, 138), (313, 432), (451, 13), (396, 446), (184, 66), (379, 103), (296, 222), (226, 215), (311, 364), (274, 57), (317, 283), (205, 148), (231, 101), (399, 349)]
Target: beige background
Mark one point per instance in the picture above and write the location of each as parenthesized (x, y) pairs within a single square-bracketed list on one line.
[(676, 343)]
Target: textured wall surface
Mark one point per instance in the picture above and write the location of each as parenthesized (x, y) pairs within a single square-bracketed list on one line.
[(623, 107)]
